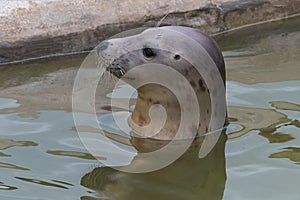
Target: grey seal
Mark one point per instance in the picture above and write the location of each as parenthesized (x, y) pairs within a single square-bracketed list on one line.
[(156, 45), (188, 177)]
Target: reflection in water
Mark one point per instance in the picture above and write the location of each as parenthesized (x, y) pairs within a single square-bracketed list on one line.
[(292, 153), (7, 187), (254, 119), (45, 183), (75, 154), (4, 144), (295, 123), (11, 166), (285, 105), (187, 178), (41, 85), (277, 137), (263, 54), (4, 155)]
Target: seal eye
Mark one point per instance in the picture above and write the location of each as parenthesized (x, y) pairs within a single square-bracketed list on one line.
[(148, 53), (177, 57)]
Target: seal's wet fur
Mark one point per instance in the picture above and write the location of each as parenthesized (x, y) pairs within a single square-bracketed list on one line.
[(120, 59)]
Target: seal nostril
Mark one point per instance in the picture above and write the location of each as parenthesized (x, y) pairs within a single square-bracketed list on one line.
[(103, 45)]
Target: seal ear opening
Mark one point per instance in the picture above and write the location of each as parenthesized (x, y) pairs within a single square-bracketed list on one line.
[(177, 57)]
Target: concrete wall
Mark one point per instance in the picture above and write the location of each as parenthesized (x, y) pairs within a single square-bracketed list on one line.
[(33, 28)]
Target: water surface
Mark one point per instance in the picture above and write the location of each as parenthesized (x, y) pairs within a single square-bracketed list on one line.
[(42, 157)]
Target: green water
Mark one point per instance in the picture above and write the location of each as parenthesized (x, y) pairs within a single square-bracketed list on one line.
[(42, 157)]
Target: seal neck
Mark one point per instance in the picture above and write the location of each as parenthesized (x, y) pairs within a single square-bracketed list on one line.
[(157, 113)]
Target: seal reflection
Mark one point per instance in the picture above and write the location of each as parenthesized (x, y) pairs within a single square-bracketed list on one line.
[(188, 178)]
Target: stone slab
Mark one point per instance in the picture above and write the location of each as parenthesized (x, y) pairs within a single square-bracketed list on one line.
[(34, 28)]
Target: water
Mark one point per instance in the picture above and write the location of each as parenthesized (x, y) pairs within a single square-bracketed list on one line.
[(42, 157), (263, 96)]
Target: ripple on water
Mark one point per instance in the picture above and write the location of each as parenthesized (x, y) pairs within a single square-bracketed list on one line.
[(8, 103), (11, 125)]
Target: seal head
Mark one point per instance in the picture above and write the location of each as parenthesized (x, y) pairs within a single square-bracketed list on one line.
[(167, 46)]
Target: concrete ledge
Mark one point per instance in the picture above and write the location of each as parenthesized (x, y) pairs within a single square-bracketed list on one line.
[(34, 28)]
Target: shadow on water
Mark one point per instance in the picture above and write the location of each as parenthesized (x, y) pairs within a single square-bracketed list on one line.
[(189, 177)]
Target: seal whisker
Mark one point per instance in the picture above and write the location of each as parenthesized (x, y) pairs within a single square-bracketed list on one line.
[(122, 72), (113, 78), (103, 78)]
